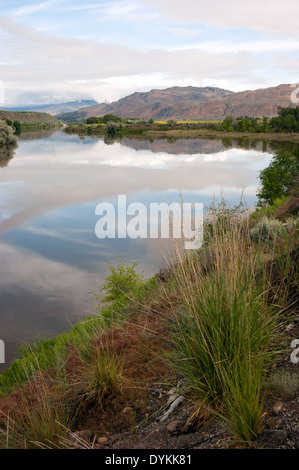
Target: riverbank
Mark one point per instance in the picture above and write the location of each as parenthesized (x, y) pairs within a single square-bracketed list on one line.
[(125, 377), (155, 132)]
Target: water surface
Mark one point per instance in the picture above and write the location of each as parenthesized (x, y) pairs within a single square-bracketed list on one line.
[(51, 261)]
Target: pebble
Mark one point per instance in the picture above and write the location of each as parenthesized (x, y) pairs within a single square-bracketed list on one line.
[(277, 408), (102, 440), (174, 427)]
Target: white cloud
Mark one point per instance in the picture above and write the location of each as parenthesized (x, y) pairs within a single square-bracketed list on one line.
[(34, 63), (274, 17), (41, 61), (220, 47)]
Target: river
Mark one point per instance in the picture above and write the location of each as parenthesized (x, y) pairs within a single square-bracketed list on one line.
[(52, 263)]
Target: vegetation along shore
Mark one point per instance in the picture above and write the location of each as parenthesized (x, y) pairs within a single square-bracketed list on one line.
[(198, 356), (283, 127)]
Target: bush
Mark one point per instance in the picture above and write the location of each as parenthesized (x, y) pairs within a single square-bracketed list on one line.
[(7, 136), (267, 230), (267, 211), (122, 280), (113, 127)]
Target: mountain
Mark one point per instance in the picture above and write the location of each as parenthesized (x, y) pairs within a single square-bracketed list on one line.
[(206, 103), (150, 104), (54, 109)]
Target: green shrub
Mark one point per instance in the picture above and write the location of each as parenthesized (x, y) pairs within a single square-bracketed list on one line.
[(267, 230), (113, 127), (7, 136), (267, 210), (121, 281)]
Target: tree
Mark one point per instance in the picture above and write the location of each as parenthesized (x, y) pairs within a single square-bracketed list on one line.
[(241, 127), (227, 124), (17, 127), (265, 125), (111, 117), (286, 121), (93, 120), (277, 179)]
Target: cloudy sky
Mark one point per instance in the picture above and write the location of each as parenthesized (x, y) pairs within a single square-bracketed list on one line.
[(62, 50)]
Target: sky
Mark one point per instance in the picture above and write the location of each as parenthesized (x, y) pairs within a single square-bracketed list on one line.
[(60, 50)]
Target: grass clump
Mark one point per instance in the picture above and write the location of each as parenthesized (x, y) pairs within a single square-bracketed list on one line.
[(40, 418), (100, 375), (222, 334)]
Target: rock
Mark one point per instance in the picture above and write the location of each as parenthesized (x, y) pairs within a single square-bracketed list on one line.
[(277, 408), (127, 409), (102, 440), (174, 405), (175, 427), (289, 327), (273, 437)]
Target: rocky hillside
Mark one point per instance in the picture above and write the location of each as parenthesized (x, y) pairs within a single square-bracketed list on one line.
[(192, 103), (153, 104)]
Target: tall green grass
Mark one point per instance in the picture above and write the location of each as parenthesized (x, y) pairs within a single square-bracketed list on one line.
[(225, 328)]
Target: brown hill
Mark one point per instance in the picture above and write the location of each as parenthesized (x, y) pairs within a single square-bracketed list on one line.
[(28, 117), (192, 103), (150, 104)]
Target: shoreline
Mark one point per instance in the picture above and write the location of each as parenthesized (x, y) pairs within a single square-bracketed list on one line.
[(184, 133)]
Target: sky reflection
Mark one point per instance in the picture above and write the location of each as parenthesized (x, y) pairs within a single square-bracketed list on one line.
[(52, 263)]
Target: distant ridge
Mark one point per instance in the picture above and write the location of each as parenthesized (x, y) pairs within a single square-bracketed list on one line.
[(198, 103), (29, 117), (54, 109)]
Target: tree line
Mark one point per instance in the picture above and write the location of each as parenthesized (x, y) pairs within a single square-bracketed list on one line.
[(286, 121)]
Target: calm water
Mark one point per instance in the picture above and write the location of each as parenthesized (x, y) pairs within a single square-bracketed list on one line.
[(51, 261)]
